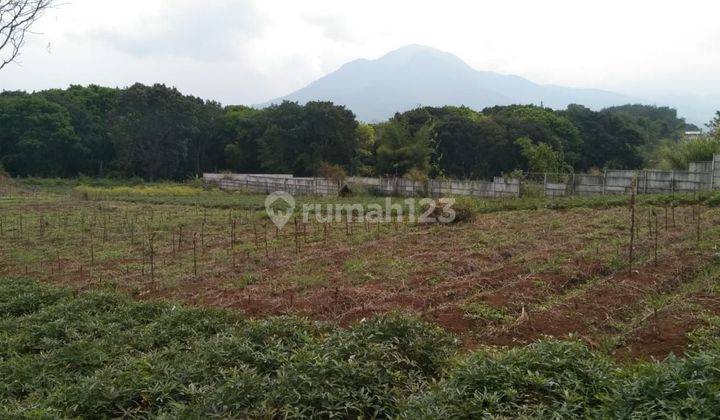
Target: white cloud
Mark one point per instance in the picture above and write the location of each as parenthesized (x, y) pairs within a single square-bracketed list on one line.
[(245, 51), (214, 31)]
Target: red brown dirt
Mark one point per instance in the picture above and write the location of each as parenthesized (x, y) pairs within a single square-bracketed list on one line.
[(444, 268), (594, 312)]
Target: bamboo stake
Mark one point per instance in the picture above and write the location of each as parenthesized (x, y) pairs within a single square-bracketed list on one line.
[(656, 238), (697, 229), (632, 224), (151, 241), (297, 241), (265, 239), (195, 254)]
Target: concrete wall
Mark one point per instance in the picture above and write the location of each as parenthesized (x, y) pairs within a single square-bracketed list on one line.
[(498, 187), (649, 181), (268, 184), (700, 176)]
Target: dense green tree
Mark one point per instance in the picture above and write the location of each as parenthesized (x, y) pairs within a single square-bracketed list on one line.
[(242, 128), (151, 132), (89, 109), (332, 134), (208, 138), (473, 147), (654, 122), (610, 139), (364, 160), (400, 151), (541, 125), (299, 138), (37, 137), (542, 157), (283, 147), (156, 132)]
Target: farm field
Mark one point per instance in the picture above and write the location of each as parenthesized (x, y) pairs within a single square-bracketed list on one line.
[(520, 274)]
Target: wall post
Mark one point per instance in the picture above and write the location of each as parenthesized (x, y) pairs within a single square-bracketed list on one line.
[(672, 182), (712, 173)]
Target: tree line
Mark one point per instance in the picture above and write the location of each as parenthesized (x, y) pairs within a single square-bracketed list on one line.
[(156, 132)]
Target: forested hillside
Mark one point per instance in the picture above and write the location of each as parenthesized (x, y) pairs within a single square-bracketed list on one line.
[(156, 132)]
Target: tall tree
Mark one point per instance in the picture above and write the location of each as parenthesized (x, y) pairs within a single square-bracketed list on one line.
[(541, 157), (610, 139), (299, 138), (400, 151), (152, 129), (654, 122), (470, 147), (541, 125), (207, 138), (364, 159), (37, 137), (242, 128), (89, 109)]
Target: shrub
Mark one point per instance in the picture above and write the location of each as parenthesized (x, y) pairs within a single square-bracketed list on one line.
[(679, 154), (332, 172), (464, 209)]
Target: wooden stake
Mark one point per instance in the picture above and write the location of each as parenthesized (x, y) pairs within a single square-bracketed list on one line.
[(151, 242), (672, 209), (265, 239), (195, 254), (656, 239), (697, 228), (297, 241), (632, 224)]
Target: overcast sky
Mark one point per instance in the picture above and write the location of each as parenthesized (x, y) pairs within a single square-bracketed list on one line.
[(245, 52)]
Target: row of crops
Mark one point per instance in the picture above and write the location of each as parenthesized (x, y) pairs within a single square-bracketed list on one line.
[(65, 353)]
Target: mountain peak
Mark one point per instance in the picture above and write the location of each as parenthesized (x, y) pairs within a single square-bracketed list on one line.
[(411, 49), (418, 75), (428, 55)]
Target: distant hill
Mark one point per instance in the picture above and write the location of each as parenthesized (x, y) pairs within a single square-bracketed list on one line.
[(417, 75)]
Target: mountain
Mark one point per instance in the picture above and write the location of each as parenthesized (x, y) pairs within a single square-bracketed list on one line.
[(417, 75)]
